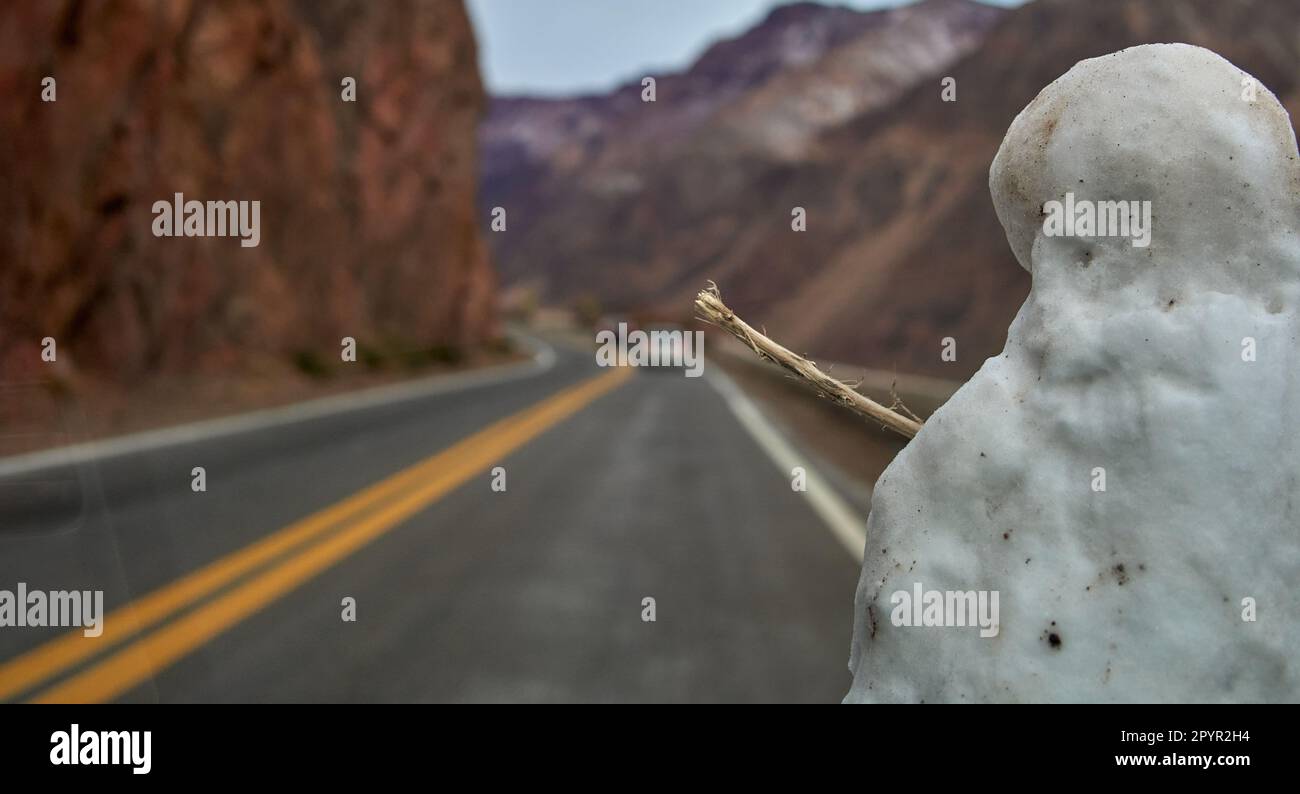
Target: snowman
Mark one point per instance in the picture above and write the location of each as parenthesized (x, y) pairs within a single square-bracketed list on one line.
[(1125, 476)]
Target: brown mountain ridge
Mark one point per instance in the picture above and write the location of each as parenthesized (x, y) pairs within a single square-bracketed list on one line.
[(902, 246)]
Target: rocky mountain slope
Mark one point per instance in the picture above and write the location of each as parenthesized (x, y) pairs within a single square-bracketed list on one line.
[(367, 214), (902, 247), (936, 263), (629, 199)]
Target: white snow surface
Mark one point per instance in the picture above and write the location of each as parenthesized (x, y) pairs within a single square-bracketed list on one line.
[(1131, 360)]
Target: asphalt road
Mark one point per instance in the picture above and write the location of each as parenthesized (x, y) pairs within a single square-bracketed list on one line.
[(630, 488)]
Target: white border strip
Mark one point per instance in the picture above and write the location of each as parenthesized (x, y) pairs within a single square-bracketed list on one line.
[(543, 359), (838, 516)]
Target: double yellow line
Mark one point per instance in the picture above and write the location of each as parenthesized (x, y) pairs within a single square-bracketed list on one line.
[(341, 529)]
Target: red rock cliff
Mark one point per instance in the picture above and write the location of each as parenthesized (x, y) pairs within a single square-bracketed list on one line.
[(367, 208)]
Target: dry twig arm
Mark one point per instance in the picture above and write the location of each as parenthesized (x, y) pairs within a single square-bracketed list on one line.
[(710, 308)]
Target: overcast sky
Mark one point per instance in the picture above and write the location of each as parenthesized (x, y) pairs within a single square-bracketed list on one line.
[(558, 47)]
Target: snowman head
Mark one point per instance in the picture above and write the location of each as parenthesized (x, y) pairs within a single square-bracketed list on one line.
[(1209, 150)]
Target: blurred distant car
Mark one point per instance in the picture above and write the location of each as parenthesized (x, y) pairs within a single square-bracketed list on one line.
[(667, 341)]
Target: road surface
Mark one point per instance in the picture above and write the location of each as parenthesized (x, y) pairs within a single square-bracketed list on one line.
[(620, 486)]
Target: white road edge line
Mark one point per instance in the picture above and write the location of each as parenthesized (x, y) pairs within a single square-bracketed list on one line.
[(543, 359), (838, 516)]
